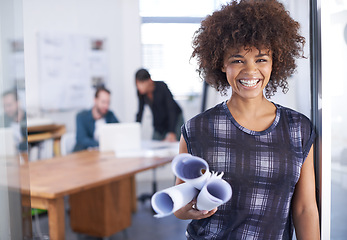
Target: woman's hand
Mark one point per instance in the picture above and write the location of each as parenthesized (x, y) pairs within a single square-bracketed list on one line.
[(190, 212), (170, 137)]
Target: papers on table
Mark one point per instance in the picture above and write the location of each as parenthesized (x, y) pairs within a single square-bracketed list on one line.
[(151, 149), (33, 122), (120, 137), (124, 139)]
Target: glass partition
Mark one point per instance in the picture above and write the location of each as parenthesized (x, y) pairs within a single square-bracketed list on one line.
[(15, 213), (336, 50), (332, 16)]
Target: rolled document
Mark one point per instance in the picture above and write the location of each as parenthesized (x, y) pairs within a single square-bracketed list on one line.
[(169, 200), (191, 169), (215, 192)]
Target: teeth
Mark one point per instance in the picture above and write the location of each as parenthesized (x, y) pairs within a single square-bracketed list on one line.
[(249, 83)]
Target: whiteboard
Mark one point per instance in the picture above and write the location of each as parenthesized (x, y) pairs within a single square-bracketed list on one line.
[(69, 66)]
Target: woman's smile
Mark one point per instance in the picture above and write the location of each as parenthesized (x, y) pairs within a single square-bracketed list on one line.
[(249, 83), (248, 71)]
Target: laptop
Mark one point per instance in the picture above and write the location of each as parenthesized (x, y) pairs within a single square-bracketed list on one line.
[(120, 137)]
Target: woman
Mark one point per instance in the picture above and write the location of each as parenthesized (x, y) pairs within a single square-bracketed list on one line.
[(264, 149)]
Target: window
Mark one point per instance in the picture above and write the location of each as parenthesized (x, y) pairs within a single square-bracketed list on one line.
[(167, 32)]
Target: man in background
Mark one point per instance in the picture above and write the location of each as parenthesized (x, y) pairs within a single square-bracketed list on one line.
[(88, 122), (15, 118), (167, 115)]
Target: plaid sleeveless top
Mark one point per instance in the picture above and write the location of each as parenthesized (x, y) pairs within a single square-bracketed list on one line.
[(261, 167)]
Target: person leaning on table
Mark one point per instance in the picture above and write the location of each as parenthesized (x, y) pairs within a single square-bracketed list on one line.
[(167, 115)]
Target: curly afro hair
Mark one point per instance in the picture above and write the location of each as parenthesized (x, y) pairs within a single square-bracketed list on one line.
[(264, 24)]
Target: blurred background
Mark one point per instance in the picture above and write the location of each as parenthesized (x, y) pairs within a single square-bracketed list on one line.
[(54, 53)]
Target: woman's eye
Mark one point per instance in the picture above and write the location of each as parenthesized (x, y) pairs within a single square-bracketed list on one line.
[(236, 61), (261, 60)]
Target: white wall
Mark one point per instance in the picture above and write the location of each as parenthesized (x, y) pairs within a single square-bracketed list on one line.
[(117, 21)]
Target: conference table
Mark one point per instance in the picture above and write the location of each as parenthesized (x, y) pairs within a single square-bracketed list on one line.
[(100, 187)]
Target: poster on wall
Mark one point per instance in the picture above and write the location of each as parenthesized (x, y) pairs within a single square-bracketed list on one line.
[(17, 73), (70, 67)]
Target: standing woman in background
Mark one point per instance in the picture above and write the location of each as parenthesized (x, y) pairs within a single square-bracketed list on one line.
[(264, 149), (167, 115)]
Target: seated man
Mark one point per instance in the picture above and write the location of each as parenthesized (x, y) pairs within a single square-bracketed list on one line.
[(167, 115), (88, 122), (15, 118)]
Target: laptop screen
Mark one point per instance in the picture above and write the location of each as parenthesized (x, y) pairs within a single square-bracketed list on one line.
[(120, 137)]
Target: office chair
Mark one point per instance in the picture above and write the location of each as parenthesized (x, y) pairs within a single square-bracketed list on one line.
[(67, 143)]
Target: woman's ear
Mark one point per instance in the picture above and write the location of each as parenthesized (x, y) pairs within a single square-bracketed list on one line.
[(223, 69)]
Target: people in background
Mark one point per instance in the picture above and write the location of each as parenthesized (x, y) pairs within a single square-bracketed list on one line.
[(167, 115), (88, 122), (15, 118), (264, 149)]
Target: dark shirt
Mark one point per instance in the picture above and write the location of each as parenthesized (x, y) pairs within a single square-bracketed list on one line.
[(164, 108), (85, 124), (23, 145)]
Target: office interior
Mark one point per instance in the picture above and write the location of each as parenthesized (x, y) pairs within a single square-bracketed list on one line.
[(46, 55)]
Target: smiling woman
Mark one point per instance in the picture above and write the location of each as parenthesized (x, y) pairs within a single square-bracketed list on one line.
[(266, 30), (263, 148), (247, 70)]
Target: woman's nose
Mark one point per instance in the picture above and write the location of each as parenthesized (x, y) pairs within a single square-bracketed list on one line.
[(250, 67)]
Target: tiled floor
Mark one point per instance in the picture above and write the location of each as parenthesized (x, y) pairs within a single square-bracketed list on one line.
[(144, 225)]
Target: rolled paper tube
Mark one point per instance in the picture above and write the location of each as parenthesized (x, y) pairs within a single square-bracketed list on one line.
[(191, 169), (171, 199), (215, 193)]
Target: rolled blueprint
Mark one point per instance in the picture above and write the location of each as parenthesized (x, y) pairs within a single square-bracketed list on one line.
[(169, 200), (191, 169), (215, 192)]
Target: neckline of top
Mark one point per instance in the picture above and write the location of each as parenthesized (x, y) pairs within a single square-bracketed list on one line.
[(252, 132)]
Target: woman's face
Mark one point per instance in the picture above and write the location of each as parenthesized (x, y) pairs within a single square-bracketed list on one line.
[(143, 86), (248, 71)]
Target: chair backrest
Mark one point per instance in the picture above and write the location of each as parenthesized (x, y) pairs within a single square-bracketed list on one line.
[(67, 143)]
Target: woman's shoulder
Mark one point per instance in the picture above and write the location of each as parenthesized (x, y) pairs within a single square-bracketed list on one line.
[(293, 116), (160, 84), (208, 114), (202, 123)]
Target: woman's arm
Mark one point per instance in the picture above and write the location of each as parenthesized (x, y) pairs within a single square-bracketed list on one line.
[(141, 107), (305, 212), (188, 211), (182, 149)]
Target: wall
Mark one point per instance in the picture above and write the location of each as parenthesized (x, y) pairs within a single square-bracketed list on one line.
[(117, 21)]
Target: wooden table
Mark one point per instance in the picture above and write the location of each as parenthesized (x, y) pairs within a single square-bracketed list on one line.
[(99, 185), (49, 131)]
